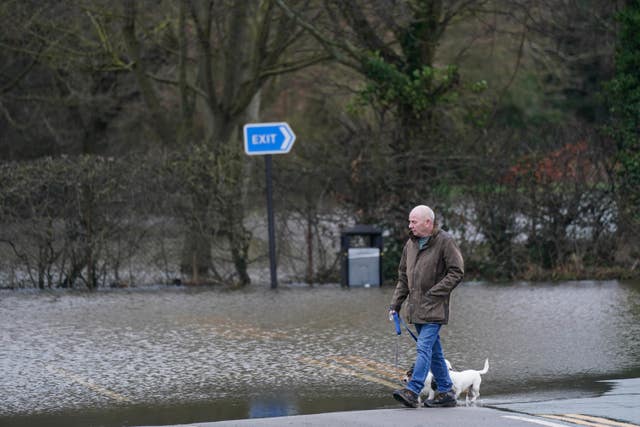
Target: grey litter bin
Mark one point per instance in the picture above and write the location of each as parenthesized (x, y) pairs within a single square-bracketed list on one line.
[(364, 266), (364, 262)]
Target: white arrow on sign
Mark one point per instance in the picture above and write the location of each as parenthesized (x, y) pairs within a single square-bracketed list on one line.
[(288, 139)]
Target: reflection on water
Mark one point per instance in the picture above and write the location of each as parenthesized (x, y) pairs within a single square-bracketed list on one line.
[(270, 407), (154, 356)]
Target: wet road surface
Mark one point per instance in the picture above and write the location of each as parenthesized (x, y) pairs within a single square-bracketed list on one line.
[(158, 355)]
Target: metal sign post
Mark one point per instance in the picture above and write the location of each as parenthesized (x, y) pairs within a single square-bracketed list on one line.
[(272, 232), (267, 139)]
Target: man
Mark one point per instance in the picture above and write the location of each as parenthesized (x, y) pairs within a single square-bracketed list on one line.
[(430, 268)]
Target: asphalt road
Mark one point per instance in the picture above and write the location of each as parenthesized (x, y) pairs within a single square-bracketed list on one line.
[(616, 408), (449, 417)]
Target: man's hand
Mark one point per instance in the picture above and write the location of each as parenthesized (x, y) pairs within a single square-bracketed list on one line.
[(393, 317)]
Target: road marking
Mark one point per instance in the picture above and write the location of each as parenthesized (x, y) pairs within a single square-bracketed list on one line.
[(349, 372), (231, 329), (534, 421), (605, 421), (573, 420), (88, 384), (239, 330), (589, 421), (379, 368)]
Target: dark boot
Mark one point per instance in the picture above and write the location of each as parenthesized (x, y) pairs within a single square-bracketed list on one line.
[(406, 397), (442, 400)]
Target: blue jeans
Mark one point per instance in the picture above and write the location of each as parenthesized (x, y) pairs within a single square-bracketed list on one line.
[(430, 356)]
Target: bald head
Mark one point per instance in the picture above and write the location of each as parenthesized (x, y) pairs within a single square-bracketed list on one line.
[(423, 212), (421, 220)]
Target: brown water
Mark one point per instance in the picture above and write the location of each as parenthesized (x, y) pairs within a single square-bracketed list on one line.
[(171, 355)]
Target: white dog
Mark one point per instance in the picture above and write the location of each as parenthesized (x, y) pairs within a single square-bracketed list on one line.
[(409, 373), (467, 382)]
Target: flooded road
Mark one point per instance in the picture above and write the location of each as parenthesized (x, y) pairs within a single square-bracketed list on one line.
[(176, 355)]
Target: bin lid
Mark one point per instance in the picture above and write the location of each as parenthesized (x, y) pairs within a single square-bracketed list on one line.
[(362, 229)]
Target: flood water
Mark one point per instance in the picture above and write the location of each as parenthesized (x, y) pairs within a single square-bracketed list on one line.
[(158, 355)]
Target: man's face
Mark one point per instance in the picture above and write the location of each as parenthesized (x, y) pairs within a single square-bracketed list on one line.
[(419, 225)]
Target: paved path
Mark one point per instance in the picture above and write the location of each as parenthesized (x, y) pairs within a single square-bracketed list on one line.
[(405, 417), (621, 403), (616, 408), (423, 417)]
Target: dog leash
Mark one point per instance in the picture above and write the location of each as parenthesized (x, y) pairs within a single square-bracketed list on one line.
[(397, 321)]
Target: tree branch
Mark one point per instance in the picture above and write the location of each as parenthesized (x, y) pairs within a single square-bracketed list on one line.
[(341, 52), (148, 93)]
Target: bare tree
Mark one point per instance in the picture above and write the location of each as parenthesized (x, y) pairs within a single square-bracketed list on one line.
[(222, 56)]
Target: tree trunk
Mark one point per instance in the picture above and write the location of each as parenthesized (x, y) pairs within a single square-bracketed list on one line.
[(196, 255), (309, 238), (196, 251)]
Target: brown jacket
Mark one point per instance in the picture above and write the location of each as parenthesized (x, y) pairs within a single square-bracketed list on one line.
[(426, 278)]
